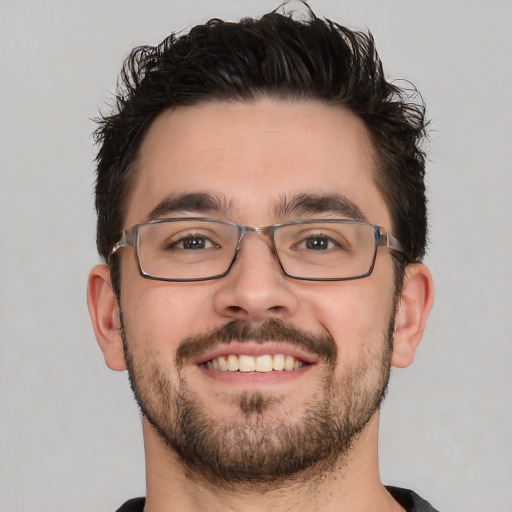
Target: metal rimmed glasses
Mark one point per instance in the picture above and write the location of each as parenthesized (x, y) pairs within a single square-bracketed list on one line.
[(199, 249)]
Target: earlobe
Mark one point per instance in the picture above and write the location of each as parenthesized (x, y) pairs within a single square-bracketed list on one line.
[(415, 302), (104, 312)]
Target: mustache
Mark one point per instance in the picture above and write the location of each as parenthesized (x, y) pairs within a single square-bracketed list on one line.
[(271, 330)]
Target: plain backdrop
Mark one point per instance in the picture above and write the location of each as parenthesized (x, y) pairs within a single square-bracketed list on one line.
[(70, 435)]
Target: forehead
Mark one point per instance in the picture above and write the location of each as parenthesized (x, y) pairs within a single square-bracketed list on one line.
[(254, 158)]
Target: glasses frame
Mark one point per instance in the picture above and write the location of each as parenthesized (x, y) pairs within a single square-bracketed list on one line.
[(382, 239)]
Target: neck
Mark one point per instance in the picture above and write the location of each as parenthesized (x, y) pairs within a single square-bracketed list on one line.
[(353, 485)]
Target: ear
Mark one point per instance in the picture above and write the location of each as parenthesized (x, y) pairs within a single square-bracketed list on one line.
[(414, 305), (104, 312)]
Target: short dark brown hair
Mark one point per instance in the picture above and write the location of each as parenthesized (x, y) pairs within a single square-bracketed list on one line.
[(275, 56)]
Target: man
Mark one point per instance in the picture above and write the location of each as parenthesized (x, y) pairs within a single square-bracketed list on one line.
[(261, 209)]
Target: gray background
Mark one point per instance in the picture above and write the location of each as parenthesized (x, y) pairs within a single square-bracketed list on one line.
[(70, 436)]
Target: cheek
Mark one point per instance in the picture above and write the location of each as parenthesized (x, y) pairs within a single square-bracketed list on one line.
[(161, 313), (356, 313)]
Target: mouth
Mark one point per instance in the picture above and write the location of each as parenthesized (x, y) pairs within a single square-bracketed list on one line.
[(264, 363), (269, 361)]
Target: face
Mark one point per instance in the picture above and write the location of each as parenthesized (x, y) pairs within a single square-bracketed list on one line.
[(257, 164)]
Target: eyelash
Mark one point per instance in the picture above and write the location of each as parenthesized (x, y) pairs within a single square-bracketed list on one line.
[(181, 238)]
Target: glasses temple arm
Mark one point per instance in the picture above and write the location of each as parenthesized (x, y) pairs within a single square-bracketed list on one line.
[(392, 243), (120, 244)]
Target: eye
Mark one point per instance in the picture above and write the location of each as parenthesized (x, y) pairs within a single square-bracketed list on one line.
[(191, 242), (317, 243)]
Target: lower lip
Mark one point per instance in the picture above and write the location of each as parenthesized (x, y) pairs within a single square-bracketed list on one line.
[(255, 378)]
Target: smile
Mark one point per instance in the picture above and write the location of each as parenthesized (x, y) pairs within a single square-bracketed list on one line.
[(261, 364)]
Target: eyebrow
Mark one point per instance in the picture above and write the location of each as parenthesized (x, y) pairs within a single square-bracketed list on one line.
[(190, 202), (285, 206), (303, 204)]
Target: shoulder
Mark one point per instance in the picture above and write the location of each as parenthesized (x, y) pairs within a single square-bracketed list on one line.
[(410, 500), (134, 505)]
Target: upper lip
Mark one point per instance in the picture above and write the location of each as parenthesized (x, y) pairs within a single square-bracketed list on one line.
[(255, 349)]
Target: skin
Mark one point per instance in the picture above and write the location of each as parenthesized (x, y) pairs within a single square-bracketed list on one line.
[(254, 154)]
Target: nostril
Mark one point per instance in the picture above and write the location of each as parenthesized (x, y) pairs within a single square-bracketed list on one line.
[(235, 309)]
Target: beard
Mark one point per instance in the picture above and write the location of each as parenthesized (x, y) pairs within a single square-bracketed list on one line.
[(260, 445)]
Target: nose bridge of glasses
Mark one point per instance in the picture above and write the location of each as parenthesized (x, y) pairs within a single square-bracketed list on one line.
[(265, 232), (253, 229)]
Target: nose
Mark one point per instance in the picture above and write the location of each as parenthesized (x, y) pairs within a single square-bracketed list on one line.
[(256, 288)]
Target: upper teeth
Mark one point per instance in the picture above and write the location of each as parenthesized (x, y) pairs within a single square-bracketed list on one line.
[(244, 363)]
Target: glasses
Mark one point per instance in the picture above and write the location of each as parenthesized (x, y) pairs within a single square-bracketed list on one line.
[(199, 249)]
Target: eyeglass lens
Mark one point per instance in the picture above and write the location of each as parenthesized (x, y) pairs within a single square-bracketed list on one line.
[(192, 249)]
